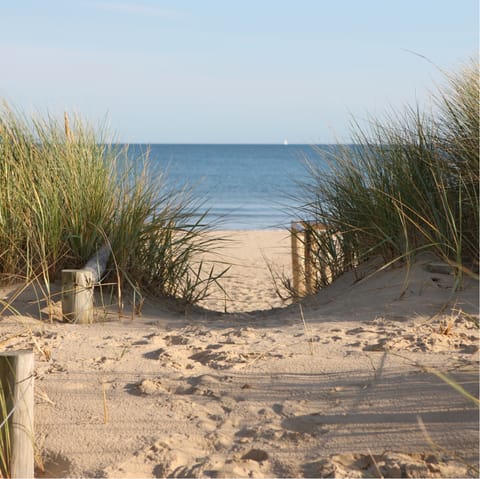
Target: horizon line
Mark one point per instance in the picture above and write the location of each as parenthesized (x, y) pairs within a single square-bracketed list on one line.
[(227, 143)]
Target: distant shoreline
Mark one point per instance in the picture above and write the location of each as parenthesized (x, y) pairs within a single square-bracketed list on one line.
[(313, 145)]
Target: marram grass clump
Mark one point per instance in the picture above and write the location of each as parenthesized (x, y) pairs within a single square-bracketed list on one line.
[(5, 433), (66, 191), (409, 184)]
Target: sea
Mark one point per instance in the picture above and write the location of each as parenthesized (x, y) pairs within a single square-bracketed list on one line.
[(243, 187)]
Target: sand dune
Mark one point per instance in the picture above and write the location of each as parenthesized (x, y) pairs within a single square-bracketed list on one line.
[(349, 390)]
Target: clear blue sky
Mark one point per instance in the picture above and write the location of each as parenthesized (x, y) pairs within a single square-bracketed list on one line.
[(229, 71)]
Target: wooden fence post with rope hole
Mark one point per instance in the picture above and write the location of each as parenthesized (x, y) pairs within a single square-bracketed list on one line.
[(16, 381), (78, 286)]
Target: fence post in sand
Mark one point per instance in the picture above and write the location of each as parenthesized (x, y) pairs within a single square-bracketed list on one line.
[(16, 381), (308, 258), (77, 287), (295, 258), (77, 295), (304, 272)]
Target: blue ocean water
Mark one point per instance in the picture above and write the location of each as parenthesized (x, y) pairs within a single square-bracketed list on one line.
[(242, 186)]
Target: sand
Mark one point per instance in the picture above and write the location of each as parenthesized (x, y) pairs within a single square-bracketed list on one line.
[(256, 260), (345, 385)]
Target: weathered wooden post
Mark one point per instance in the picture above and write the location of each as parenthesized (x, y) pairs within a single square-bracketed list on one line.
[(16, 381), (308, 259), (77, 287), (77, 295), (304, 268), (294, 231)]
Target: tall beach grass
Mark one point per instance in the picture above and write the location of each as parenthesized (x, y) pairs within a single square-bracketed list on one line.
[(409, 183), (67, 190), (5, 431)]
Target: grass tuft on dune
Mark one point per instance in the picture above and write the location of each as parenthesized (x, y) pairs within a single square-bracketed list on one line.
[(65, 191), (410, 184)]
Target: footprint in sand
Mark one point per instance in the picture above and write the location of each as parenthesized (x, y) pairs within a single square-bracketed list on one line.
[(150, 387), (247, 432), (101, 362), (216, 359), (310, 424), (240, 333), (204, 385), (176, 340), (176, 456), (388, 464), (257, 455), (155, 338), (54, 465), (160, 353), (166, 358)]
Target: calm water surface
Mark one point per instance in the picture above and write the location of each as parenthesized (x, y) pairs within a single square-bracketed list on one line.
[(243, 186)]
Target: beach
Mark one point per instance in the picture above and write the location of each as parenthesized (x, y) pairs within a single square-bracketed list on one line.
[(349, 382), (257, 261)]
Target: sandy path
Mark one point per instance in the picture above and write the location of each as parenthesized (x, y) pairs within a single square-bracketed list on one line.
[(253, 256), (350, 391)]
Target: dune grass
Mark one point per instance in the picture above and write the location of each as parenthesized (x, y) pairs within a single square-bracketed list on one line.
[(65, 191), (408, 184), (5, 440)]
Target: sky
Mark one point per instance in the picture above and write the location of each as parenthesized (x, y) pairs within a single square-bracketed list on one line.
[(230, 71)]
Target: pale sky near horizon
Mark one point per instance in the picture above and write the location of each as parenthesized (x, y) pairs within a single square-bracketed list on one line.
[(230, 71)]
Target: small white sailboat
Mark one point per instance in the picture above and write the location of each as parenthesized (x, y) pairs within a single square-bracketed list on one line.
[(285, 142)]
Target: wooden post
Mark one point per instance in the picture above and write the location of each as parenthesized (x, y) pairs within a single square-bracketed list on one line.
[(77, 287), (295, 258), (97, 264), (308, 259), (77, 295), (16, 380), (304, 272)]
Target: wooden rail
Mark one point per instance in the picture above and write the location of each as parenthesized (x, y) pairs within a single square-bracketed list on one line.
[(78, 285), (16, 381)]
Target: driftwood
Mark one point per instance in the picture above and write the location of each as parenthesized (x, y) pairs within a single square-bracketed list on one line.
[(78, 285)]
